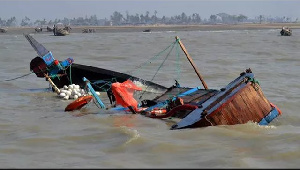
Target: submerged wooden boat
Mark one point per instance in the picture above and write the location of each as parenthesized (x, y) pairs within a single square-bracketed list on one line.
[(285, 31), (241, 101)]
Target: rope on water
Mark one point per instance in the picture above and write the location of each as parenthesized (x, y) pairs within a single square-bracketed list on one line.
[(19, 77)]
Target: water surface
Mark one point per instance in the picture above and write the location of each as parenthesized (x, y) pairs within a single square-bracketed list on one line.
[(37, 133)]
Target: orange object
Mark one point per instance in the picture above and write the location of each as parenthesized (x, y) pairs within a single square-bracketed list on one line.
[(123, 93), (158, 111), (56, 62), (78, 103), (175, 110)]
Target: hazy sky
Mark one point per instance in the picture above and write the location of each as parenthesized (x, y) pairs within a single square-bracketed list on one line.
[(52, 9)]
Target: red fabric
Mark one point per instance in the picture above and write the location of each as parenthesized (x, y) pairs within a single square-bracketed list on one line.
[(56, 62), (123, 93)]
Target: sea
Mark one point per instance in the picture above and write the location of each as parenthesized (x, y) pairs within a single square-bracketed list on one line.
[(36, 132)]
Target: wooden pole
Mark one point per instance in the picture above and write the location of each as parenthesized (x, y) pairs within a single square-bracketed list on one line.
[(52, 84), (192, 62)]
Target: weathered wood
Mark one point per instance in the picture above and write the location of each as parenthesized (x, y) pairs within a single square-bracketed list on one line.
[(52, 84), (192, 62), (242, 107)]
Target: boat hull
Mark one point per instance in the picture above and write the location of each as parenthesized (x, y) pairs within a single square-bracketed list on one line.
[(60, 32), (100, 78), (239, 102)]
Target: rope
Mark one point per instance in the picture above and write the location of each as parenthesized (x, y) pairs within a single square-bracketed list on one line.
[(70, 75), (19, 77), (108, 83), (178, 66), (130, 72), (149, 60), (254, 82), (172, 46), (162, 64)]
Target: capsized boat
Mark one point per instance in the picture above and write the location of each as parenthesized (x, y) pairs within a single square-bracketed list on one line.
[(67, 72), (241, 101)]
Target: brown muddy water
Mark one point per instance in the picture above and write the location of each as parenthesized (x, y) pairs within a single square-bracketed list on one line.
[(37, 133)]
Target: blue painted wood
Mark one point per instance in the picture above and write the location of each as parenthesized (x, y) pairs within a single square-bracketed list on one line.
[(163, 103), (272, 115), (48, 58), (91, 89)]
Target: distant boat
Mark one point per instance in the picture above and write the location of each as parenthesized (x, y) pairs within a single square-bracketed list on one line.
[(61, 31), (147, 30), (38, 29), (3, 30), (285, 31), (49, 29), (88, 30)]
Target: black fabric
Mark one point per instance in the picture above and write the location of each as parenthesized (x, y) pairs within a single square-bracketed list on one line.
[(38, 66)]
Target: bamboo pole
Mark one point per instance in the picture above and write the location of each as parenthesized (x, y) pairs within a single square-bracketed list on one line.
[(192, 62), (52, 84)]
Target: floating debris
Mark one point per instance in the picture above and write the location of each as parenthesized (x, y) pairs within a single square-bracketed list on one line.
[(73, 91)]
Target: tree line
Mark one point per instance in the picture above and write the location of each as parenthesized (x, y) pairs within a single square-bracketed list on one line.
[(118, 19)]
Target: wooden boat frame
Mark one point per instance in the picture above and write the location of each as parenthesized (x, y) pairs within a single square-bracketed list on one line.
[(239, 102)]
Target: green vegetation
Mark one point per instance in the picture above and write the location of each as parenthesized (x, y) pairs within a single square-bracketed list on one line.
[(118, 19)]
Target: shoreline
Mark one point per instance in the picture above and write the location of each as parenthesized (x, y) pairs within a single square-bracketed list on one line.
[(156, 28)]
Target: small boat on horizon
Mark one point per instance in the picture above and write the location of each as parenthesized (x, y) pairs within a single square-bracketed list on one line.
[(3, 30), (285, 31), (147, 30), (61, 31)]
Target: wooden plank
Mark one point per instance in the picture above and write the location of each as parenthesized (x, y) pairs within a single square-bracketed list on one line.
[(252, 110), (246, 105)]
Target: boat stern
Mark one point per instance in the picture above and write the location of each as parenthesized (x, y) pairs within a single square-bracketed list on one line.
[(239, 102)]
